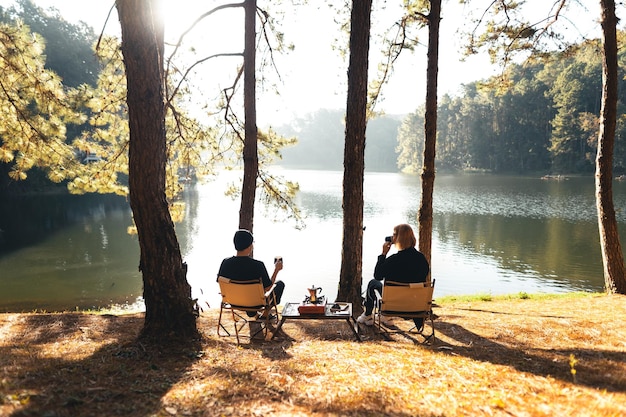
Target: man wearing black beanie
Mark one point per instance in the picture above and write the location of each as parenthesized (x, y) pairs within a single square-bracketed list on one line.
[(242, 267)]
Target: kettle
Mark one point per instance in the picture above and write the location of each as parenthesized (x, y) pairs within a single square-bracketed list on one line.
[(313, 293)]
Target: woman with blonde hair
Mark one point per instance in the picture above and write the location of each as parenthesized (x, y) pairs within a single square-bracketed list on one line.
[(407, 265)]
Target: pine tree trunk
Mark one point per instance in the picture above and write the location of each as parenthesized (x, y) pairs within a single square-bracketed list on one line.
[(425, 214), (612, 257), (350, 278), (170, 310), (250, 155)]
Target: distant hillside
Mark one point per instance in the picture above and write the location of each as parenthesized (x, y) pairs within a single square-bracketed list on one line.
[(321, 142)]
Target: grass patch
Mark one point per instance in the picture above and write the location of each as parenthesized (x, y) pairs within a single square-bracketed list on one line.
[(519, 296), (522, 355)]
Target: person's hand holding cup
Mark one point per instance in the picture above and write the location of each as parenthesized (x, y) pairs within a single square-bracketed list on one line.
[(387, 244), (278, 263)]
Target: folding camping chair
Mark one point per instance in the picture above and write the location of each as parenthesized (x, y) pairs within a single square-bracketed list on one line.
[(407, 301), (247, 296)]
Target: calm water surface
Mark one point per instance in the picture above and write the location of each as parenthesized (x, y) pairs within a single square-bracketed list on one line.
[(490, 235)]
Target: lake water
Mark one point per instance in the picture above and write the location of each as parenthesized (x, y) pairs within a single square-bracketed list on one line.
[(491, 235)]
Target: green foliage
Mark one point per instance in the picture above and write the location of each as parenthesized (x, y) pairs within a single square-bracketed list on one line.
[(576, 95), (192, 148), (276, 193), (503, 29), (108, 134), (40, 111), (68, 46), (35, 107), (539, 116), (411, 142)]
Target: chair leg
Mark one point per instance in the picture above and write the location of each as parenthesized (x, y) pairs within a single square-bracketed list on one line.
[(259, 327), (219, 323), (378, 322), (235, 324), (239, 322), (267, 334), (428, 337), (272, 309)]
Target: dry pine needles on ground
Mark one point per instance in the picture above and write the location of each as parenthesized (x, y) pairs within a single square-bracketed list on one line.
[(562, 356)]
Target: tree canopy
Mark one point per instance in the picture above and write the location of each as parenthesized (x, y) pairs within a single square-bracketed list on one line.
[(545, 119), (59, 122)]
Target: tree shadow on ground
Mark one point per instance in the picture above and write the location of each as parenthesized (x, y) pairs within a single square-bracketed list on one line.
[(240, 382), (43, 378), (264, 396), (86, 365), (595, 368)]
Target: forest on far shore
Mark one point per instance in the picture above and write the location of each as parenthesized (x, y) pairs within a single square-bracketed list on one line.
[(539, 117)]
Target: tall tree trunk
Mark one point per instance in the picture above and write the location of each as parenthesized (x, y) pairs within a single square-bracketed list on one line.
[(250, 155), (612, 257), (350, 278), (425, 215), (170, 311)]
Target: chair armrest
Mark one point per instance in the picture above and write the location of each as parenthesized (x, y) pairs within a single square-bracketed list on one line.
[(378, 295), (269, 292)]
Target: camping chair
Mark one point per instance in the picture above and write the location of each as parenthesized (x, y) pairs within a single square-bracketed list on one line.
[(246, 296), (407, 301)]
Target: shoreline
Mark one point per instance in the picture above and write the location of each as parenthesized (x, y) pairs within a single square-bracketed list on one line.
[(446, 299)]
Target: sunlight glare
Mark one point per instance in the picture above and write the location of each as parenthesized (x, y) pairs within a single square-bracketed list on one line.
[(221, 28), (176, 17)]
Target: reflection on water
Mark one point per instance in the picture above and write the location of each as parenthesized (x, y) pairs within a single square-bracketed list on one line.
[(529, 253), (67, 252), (490, 235)]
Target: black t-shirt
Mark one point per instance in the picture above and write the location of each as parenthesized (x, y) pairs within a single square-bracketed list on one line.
[(408, 265), (244, 268)]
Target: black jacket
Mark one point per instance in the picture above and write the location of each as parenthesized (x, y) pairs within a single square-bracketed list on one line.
[(408, 265)]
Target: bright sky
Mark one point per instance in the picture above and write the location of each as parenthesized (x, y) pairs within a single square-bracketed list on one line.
[(313, 76)]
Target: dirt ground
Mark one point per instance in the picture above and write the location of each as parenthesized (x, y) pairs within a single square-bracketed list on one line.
[(562, 356)]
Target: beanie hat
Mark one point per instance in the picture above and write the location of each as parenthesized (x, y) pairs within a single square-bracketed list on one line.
[(243, 239)]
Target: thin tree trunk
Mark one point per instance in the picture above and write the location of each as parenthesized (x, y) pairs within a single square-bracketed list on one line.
[(612, 257), (170, 310), (425, 214), (250, 155), (350, 279)]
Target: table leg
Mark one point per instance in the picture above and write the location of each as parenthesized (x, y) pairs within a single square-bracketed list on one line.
[(280, 324), (354, 326)]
